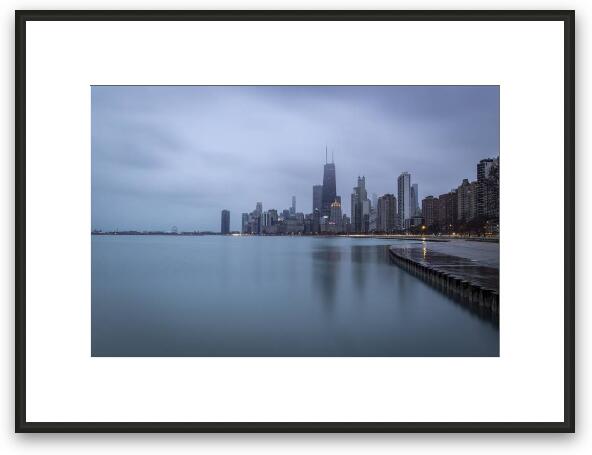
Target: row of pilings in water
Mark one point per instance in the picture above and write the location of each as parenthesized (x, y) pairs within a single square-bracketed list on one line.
[(456, 286)]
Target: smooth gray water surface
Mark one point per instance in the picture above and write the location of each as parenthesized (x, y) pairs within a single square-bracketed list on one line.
[(271, 296)]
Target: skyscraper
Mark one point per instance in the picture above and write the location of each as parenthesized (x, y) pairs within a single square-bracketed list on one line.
[(293, 208), (373, 218), (269, 221), (362, 188), (448, 211), (374, 213), (488, 188), (225, 225), (366, 215), (329, 187), (404, 198), (429, 210), (273, 217), (265, 221), (360, 207), (245, 223), (316, 221), (356, 211), (255, 219), (386, 213), (467, 200), (317, 197), (414, 200), (336, 218)]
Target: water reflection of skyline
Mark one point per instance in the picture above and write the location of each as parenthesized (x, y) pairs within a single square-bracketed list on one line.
[(325, 272), (360, 257)]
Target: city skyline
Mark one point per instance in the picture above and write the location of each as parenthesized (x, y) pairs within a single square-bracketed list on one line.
[(470, 207), (165, 179)]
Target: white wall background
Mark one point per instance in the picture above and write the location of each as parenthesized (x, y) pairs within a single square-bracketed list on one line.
[(343, 444)]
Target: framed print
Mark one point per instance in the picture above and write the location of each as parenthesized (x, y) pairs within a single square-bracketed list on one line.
[(294, 221)]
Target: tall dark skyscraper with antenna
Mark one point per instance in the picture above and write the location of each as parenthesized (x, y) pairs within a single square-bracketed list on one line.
[(329, 186)]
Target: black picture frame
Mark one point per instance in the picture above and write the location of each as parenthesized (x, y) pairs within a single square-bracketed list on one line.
[(567, 425)]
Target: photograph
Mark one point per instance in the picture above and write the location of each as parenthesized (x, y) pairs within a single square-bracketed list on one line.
[(295, 221), (219, 232)]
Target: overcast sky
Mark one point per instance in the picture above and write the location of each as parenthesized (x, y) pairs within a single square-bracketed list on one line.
[(164, 156)]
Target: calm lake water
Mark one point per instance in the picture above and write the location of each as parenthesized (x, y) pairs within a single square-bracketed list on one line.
[(271, 296)]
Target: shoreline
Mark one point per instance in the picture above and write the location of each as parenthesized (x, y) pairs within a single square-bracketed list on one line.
[(439, 238)]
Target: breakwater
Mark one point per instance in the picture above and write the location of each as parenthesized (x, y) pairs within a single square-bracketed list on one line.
[(464, 279)]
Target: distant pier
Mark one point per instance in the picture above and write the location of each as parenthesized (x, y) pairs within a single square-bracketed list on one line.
[(472, 281)]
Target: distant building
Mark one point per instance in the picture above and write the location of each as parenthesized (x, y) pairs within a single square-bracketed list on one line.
[(325, 225), (269, 221), (293, 225), (404, 199), (245, 223), (448, 211), (488, 188), (317, 197), (225, 225), (414, 200), (360, 207), (372, 227), (467, 201), (269, 227), (387, 213), (356, 211), (329, 188), (265, 221), (308, 223), (336, 219), (293, 208), (416, 221), (255, 219), (430, 211), (346, 224), (373, 218), (316, 221), (366, 216)]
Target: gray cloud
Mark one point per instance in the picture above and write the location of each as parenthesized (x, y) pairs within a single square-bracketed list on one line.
[(164, 156)]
